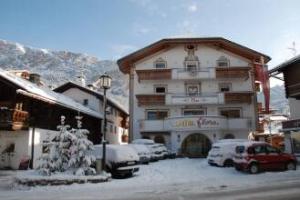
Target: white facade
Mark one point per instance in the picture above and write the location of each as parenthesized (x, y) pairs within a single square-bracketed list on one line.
[(21, 146), (114, 130), (294, 108), (207, 103)]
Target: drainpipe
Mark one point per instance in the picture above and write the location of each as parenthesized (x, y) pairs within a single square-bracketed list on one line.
[(131, 102), (32, 143)]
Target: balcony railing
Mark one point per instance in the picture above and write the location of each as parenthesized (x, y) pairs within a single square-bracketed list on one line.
[(232, 72), (203, 98), (12, 119), (197, 73), (150, 99), (202, 73), (195, 123), (238, 97), (154, 74)]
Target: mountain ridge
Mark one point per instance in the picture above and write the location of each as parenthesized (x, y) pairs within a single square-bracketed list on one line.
[(59, 66)]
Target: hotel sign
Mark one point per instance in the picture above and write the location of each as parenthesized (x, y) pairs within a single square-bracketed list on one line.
[(196, 123), (195, 100)]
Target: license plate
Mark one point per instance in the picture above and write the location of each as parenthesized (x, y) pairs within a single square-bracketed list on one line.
[(131, 163)]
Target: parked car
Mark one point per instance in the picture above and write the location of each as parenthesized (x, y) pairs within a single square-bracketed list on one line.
[(121, 160), (150, 144), (222, 152), (160, 151), (260, 156), (143, 152)]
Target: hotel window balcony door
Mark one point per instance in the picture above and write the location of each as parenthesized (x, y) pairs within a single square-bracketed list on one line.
[(231, 112), (160, 89), (156, 114), (225, 87), (191, 112), (192, 89), (223, 62), (160, 64)]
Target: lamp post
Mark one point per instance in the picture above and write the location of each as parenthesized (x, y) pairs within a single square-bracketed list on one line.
[(105, 83)]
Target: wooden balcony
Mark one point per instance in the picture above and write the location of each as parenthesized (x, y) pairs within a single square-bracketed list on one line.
[(152, 99), (154, 74), (238, 97), (232, 72), (12, 119), (293, 90)]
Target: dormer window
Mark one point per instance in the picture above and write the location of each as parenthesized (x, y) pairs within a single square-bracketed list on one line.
[(160, 63), (191, 61), (223, 62), (191, 66)]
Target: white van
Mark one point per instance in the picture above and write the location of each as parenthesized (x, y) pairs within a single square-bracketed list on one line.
[(222, 152), (121, 160)]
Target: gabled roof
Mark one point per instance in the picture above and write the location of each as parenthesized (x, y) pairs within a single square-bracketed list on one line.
[(45, 94), (97, 94), (279, 68), (219, 42)]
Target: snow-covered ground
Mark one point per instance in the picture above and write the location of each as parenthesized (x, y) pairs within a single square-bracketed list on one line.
[(167, 176)]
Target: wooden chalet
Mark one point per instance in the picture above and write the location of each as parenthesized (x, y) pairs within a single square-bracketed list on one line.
[(29, 112)]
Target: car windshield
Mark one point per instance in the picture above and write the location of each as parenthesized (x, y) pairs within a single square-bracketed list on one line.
[(240, 149)]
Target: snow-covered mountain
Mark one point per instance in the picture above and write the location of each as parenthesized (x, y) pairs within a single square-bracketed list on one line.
[(58, 67)]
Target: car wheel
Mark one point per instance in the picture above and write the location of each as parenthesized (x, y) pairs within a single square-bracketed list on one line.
[(290, 166), (254, 168), (228, 163)]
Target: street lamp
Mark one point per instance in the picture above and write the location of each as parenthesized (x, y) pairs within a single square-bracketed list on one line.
[(105, 83)]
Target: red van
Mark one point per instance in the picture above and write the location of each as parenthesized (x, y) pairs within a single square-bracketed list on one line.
[(260, 156)]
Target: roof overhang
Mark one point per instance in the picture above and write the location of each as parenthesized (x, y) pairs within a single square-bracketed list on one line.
[(126, 62)]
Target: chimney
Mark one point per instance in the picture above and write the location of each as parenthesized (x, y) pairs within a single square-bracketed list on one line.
[(35, 78)]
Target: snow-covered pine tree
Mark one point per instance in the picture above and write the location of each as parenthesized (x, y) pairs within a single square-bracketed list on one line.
[(59, 151), (80, 160)]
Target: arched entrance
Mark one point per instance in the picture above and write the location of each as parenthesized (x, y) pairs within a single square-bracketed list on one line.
[(196, 145), (159, 139)]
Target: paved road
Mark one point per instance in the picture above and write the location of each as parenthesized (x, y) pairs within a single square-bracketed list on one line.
[(282, 191)]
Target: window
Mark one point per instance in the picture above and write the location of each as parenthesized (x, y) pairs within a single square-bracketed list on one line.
[(223, 62), (231, 113), (160, 63), (295, 136), (188, 112), (271, 149), (45, 147), (85, 102), (225, 87), (191, 66), (260, 150), (192, 89), (156, 114), (115, 129), (160, 89)]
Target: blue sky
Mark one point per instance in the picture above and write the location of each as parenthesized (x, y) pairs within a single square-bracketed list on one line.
[(113, 28)]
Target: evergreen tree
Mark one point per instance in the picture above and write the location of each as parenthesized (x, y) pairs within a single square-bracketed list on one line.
[(59, 151), (80, 160)]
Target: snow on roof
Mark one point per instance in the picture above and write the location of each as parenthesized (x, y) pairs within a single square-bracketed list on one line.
[(116, 153), (283, 65), (45, 94), (94, 92), (142, 141)]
